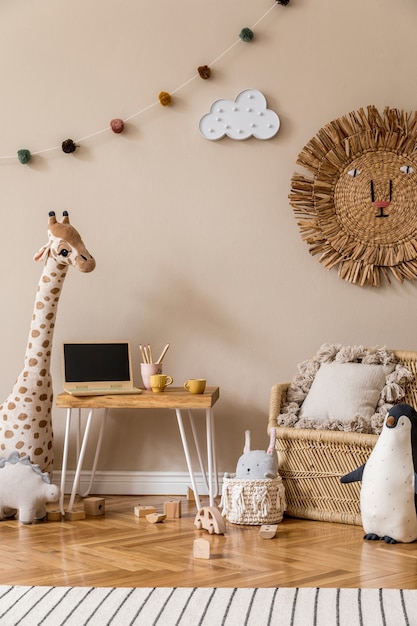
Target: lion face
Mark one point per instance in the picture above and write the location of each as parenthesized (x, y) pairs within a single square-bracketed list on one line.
[(359, 211)]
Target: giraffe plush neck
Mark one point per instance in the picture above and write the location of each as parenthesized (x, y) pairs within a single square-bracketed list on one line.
[(26, 415)]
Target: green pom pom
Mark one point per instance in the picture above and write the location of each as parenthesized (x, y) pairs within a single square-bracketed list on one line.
[(23, 156), (246, 34)]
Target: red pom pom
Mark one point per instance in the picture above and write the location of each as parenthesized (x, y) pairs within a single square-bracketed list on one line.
[(117, 125)]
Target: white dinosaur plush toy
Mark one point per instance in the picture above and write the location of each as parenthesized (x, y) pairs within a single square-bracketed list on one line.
[(24, 489), (256, 464)]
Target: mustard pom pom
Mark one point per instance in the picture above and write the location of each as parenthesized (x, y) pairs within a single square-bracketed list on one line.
[(165, 98)]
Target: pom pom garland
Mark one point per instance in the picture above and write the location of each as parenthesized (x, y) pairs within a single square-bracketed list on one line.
[(204, 71), (68, 146), (117, 125), (24, 156), (246, 34), (165, 98)]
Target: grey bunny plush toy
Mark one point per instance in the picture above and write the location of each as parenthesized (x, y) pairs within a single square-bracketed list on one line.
[(256, 464)]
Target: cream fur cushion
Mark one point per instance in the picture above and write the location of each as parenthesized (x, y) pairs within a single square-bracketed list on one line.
[(341, 391), (324, 396)]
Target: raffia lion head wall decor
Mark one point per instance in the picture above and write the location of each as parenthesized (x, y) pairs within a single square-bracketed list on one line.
[(359, 209)]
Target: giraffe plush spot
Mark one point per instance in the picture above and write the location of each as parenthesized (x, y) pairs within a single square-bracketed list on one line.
[(33, 362), (11, 406), (22, 416), (8, 434)]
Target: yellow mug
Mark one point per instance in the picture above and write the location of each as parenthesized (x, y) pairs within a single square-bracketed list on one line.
[(195, 385), (159, 382)]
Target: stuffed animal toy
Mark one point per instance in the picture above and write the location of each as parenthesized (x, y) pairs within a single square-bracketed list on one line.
[(25, 489), (388, 501), (256, 464)]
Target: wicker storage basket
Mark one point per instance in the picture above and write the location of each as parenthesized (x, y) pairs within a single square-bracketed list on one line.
[(253, 502), (311, 461)]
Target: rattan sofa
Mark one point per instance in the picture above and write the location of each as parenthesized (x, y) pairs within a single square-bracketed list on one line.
[(311, 462)]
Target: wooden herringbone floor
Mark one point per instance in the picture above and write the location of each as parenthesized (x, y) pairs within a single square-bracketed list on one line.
[(119, 549)]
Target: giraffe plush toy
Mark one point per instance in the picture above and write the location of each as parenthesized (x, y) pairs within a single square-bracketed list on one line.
[(25, 416)]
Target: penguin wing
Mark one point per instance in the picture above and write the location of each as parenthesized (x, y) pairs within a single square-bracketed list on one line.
[(354, 476)]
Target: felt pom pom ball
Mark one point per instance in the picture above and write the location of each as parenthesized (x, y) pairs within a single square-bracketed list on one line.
[(246, 34), (68, 146), (24, 156), (117, 125), (165, 98), (204, 71)]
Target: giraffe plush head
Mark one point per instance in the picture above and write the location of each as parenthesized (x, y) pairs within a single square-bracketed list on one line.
[(65, 245)]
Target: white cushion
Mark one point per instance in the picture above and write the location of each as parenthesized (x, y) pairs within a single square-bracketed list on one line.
[(341, 391)]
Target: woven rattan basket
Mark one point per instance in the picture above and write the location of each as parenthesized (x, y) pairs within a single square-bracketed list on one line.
[(253, 502), (311, 462)]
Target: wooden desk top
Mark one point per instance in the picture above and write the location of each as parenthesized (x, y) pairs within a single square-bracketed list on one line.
[(171, 398)]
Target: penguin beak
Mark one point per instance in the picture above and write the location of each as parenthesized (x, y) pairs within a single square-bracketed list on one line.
[(391, 421)]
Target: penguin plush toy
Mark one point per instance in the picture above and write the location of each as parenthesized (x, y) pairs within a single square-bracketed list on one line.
[(389, 480)]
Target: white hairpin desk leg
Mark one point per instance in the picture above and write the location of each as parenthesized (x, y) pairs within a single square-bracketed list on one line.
[(211, 456), (80, 460), (64, 461), (187, 457)]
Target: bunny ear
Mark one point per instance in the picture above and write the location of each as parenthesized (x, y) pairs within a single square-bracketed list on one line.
[(247, 442), (273, 436)]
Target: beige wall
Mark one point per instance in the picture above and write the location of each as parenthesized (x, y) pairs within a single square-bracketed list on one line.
[(195, 241)]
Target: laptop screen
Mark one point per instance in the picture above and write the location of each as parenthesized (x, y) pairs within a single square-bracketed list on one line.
[(96, 362)]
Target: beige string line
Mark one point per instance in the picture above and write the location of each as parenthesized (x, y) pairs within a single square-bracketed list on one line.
[(150, 106)]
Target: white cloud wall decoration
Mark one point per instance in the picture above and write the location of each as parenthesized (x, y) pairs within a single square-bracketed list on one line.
[(248, 116)]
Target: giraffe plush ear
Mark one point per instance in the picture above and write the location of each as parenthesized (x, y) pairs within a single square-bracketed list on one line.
[(42, 253)]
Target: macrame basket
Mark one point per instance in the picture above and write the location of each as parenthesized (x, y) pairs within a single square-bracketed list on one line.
[(253, 502)]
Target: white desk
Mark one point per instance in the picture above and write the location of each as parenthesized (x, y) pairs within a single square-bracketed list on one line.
[(175, 398)]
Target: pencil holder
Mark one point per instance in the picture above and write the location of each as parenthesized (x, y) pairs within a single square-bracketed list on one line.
[(147, 370)]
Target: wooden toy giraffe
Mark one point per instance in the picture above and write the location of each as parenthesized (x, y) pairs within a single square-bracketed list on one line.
[(26, 415)]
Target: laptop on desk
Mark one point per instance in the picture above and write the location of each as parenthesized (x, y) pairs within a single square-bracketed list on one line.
[(97, 369)]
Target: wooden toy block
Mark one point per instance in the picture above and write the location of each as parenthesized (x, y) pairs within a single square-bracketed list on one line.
[(201, 549), (54, 516), (73, 516), (155, 518), (143, 511), (94, 506), (190, 495), (172, 508), (268, 531)]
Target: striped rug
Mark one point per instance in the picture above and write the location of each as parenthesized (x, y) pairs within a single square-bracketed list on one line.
[(162, 606)]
